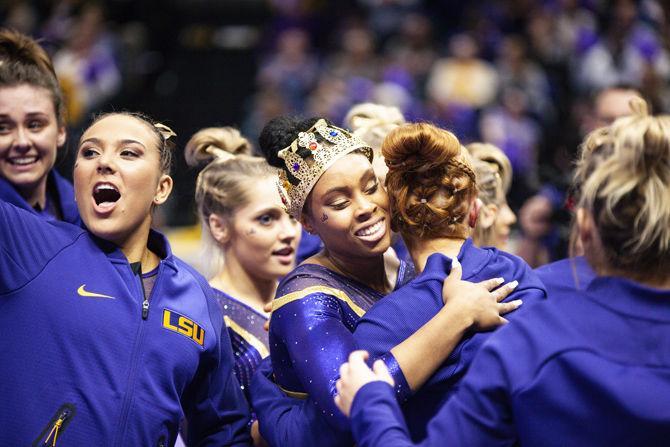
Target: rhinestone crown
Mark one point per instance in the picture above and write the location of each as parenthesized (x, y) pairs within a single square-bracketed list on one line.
[(309, 156)]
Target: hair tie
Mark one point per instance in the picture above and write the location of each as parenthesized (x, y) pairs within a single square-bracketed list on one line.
[(165, 131), (219, 154)]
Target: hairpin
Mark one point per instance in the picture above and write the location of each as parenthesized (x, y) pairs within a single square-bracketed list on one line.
[(165, 131)]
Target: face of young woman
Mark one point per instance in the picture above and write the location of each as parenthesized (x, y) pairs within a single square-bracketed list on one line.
[(29, 136), (265, 238), (117, 178), (349, 209)]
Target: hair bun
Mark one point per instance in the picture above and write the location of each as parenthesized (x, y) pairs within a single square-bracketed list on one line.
[(278, 134), (21, 49), (423, 147), (215, 143)]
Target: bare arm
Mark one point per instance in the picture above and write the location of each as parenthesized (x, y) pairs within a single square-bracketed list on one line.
[(467, 306)]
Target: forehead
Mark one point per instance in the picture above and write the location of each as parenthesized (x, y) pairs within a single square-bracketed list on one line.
[(614, 103), (121, 127), (262, 193), (25, 98), (346, 171)]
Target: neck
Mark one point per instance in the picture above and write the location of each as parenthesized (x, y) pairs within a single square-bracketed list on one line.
[(420, 250), (135, 248), (369, 271), (244, 286), (36, 196)]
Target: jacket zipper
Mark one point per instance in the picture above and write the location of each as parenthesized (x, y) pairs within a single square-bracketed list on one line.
[(136, 270), (56, 426)]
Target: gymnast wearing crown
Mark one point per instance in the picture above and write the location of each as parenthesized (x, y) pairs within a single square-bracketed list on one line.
[(328, 183)]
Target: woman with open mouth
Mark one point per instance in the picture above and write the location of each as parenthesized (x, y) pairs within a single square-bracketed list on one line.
[(32, 128), (250, 240), (328, 183), (113, 339)]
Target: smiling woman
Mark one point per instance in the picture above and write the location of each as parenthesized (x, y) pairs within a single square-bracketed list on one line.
[(32, 128), (127, 329), (327, 181)]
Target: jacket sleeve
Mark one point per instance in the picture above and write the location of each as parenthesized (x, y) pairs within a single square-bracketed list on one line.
[(288, 421), (216, 410), (27, 243), (478, 414)]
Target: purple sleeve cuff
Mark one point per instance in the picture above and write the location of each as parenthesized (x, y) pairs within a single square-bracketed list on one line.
[(401, 388)]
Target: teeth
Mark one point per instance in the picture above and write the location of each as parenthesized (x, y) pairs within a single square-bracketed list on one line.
[(23, 160), (105, 186), (371, 229)]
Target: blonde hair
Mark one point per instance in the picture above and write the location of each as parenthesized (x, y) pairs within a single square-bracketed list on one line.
[(222, 185), (372, 122), (495, 157), (627, 192), (494, 178), (430, 182)]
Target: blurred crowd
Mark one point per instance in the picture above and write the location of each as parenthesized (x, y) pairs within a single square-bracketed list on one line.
[(524, 75)]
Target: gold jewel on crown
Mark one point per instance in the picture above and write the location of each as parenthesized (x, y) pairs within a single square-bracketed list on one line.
[(309, 156)]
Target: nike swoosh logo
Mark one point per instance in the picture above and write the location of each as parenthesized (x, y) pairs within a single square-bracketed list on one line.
[(83, 292)]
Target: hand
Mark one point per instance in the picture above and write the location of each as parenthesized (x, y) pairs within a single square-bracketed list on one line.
[(354, 374), (267, 308), (478, 303)]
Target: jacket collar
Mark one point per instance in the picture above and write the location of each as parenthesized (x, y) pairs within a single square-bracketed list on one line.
[(630, 298), (472, 258), (157, 242)]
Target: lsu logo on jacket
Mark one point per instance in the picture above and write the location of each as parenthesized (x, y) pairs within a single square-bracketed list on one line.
[(180, 324)]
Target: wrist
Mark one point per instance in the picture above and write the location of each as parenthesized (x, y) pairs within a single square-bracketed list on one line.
[(460, 317)]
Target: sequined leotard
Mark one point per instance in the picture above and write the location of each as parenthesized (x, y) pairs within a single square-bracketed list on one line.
[(249, 339), (311, 333)]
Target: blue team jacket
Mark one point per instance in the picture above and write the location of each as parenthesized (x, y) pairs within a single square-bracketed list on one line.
[(58, 187), (79, 360), (589, 369), (401, 313)]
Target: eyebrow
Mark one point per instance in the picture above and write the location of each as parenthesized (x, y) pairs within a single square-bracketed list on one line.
[(121, 142)]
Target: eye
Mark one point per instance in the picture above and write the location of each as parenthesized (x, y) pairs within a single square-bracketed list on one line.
[(4, 127), (36, 125), (265, 219), (339, 205), (129, 153), (87, 152), (372, 188)]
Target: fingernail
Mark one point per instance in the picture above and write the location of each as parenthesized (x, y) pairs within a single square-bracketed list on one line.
[(500, 280), (517, 303), (513, 284)]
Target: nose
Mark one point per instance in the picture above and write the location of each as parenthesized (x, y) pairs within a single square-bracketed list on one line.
[(21, 140), (364, 209), (106, 164), (289, 229), (511, 217)]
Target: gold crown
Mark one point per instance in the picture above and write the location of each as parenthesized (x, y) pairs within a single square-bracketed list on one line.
[(308, 157)]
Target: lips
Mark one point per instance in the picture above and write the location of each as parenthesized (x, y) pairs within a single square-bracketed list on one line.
[(373, 232), (286, 251), (105, 196), (285, 255)]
